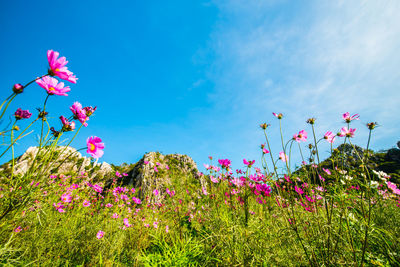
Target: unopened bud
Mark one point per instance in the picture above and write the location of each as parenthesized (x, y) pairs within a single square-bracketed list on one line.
[(372, 125), (18, 88), (15, 128), (311, 121)]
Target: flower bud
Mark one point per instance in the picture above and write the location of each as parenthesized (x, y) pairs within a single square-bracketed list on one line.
[(18, 88), (264, 126), (311, 121), (372, 125), (15, 128)]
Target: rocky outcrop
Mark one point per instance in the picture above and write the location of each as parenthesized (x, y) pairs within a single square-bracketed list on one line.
[(155, 171), (65, 160)]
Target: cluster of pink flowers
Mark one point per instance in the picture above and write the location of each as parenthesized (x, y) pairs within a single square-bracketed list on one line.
[(301, 136), (225, 163)]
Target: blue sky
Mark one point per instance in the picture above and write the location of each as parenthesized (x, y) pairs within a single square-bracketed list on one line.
[(198, 77)]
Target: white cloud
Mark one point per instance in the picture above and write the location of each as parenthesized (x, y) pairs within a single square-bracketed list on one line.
[(318, 60)]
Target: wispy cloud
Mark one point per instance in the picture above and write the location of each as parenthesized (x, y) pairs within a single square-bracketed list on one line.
[(319, 60)]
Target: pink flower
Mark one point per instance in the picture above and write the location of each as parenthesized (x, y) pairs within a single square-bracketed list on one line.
[(18, 229), (329, 136), (126, 222), (22, 114), (155, 169), (136, 200), (204, 191), (279, 116), (347, 132), (301, 136), (265, 151), (346, 116), (155, 192), (100, 234), (109, 205), (166, 167), (298, 190), (57, 67), (115, 216), (86, 203), (283, 156), (146, 162), (95, 146), (67, 125), (248, 163), (79, 113), (166, 229), (118, 174), (52, 86), (89, 111), (327, 171), (66, 198), (225, 163)]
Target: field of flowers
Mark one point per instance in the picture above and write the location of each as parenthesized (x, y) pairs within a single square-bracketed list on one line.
[(270, 215)]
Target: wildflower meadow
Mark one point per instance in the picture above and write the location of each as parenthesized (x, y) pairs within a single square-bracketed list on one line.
[(276, 210)]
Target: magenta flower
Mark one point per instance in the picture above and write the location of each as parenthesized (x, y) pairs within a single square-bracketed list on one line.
[(57, 67), (265, 151), (115, 216), (298, 190), (79, 113), (279, 116), (126, 222), (283, 156), (66, 198), (225, 163), (52, 86), (347, 132), (86, 203), (301, 136), (95, 146), (22, 114), (329, 136), (155, 192), (100, 234), (67, 125), (18, 229), (346, 116), (248, 163), (327, 171)]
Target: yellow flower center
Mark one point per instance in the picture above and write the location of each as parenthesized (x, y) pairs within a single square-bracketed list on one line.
[(92, 147), (52, 89)]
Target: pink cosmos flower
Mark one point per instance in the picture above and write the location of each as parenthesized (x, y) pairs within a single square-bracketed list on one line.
[(167, 229), (95, 146), (298, 190), (279, 116), (22, 114), (155, 192), (166, 167), (347, 132), (86, 203), (155, 169), (248, 163), (225, 163), (204, 191), (66, 198), (283, 156), (136, 200), (265, 151), (115, 216), (327, 171), (301, 136), (329, 136), (57, 67), (146, 162), (126, 222), (67, 125), (18, 229), (79, 113), (346, 116), (118, 174), (100, 234), (52, 86)]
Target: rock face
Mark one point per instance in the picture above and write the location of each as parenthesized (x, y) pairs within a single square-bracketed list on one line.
[(155, 170), (67, 160)]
